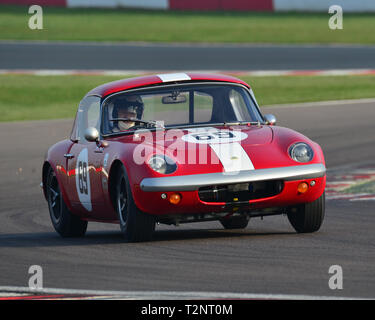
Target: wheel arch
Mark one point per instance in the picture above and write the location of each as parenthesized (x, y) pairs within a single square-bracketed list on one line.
[(46, 167), (116, 166)]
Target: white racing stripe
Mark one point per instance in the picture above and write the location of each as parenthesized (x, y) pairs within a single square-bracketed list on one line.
[(232, 156), (228, 149), (202, 130), (170, 77)]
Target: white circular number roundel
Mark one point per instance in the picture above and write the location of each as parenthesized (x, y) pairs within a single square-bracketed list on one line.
[(210, 136), (83, 180)]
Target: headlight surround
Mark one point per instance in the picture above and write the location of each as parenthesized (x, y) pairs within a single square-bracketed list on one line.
[(301, 152), (162, 164)]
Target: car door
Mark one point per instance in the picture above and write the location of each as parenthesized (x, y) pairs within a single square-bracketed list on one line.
[(84, 162)]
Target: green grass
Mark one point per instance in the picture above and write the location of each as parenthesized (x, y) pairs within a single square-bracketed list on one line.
[(363, 187), (28, 97), (179, 26), (295, 89)]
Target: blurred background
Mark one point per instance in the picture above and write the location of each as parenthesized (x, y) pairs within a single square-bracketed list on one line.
[(313, 71), (285, 46)]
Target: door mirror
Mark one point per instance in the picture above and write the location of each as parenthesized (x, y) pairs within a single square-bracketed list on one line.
[(91, 134), (270, 119)]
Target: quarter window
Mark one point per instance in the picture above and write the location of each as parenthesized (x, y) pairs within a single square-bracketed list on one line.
[(88, 115)]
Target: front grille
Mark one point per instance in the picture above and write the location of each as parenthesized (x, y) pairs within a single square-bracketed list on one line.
[(241, 191)]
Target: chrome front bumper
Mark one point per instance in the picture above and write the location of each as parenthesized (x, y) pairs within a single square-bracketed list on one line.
[(196, 181)]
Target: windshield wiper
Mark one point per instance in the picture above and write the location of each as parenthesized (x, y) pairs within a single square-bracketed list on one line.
[(238, 123)]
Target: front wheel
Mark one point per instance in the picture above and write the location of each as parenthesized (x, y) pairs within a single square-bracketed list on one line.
[(135, 225), (308, 217), (65, 223)]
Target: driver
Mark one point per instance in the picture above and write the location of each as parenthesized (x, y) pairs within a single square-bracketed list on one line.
[(131, 108)]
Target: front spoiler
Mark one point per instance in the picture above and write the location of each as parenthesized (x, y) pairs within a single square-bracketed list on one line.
[(196, 181)]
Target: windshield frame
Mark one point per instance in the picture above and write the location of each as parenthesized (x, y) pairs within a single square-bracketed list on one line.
[(178, 126)]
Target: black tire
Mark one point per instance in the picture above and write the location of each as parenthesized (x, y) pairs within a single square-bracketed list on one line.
[(65, 223), (308, 217), (135, 225), (238, 222)]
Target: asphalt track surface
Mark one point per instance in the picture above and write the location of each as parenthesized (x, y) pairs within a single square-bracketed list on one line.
[(112, 56), (267, 257)]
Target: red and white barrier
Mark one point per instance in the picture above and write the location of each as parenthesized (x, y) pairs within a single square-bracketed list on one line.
[(240, 5), (237, 5), (146, 4)]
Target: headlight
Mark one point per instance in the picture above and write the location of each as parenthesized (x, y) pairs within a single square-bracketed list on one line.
[(162, 164), (301, 152)]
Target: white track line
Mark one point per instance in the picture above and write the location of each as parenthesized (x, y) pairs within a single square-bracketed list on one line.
[(257, 73), (185, 44), (322, 103), (171, 295)]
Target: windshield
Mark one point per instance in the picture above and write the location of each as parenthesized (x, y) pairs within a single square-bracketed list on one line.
[(178, 106)]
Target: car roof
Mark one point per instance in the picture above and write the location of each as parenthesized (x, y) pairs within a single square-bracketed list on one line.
[(138, 82)]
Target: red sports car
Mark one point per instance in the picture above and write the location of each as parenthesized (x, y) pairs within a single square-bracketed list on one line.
[(176, 148)]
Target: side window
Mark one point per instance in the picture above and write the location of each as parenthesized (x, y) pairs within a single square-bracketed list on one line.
[(88, 115), (239, 106), (93, 115)]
